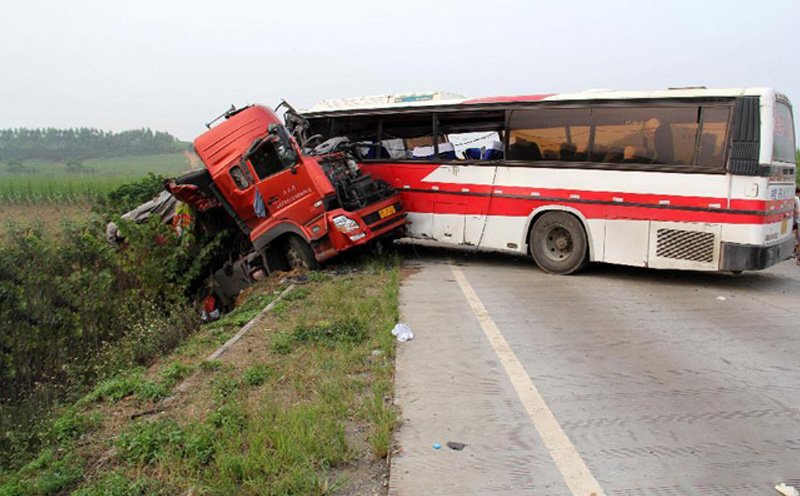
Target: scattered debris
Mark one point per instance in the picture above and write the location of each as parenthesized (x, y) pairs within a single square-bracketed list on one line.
[(721, 298), (787, 490), (296, 279), (377, 353), (455, 445), (437, 446), (403, 333)]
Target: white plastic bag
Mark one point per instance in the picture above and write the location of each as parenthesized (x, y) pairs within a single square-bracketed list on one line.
[(402, 332)]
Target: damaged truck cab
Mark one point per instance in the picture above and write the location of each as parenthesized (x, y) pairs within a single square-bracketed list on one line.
[(297, 210)]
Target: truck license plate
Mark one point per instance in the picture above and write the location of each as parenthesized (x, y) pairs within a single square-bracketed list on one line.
[(386, 212)]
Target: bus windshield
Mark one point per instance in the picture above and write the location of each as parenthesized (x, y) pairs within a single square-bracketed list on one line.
[(783, 149)]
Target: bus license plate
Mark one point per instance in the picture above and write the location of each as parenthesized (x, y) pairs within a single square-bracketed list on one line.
[(386, 212)]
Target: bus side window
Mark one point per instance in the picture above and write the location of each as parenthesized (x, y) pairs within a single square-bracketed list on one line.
[(552, 134), (710, 152), (475, 135), (645, 135)]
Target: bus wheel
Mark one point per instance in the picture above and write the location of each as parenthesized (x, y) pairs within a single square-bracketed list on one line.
[(299, 254), (558, 243)]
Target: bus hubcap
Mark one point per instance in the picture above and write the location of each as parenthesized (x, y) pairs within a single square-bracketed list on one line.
[(558, 243)]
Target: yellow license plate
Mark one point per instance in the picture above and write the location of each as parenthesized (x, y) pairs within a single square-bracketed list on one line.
[(386, 212), (784, 226)]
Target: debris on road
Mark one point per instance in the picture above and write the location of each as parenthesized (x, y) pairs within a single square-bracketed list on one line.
[(787, 490), (721, 298), (437, 446), (403, 333), (455, 445)]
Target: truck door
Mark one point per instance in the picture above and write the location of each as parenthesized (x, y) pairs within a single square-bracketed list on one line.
[(283, 179)]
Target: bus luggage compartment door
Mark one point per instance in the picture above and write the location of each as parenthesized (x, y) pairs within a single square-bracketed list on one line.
[(448, 220)]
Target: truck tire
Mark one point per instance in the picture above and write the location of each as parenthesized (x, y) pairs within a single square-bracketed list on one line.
[(558, 243), (299, 254)]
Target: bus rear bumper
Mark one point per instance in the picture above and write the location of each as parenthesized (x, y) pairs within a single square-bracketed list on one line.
[(755, 257)]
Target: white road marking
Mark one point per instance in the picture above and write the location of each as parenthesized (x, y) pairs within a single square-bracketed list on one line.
[(573, 469)]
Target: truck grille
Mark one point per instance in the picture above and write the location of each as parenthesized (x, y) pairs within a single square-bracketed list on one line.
[(685, 245)]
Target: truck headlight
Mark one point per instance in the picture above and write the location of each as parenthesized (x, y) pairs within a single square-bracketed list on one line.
[(345, 224)]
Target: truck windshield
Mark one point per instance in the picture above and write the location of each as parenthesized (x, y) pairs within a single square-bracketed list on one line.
[(783, 149)]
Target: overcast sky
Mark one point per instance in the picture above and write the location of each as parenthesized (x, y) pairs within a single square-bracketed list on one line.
[(173, 65)]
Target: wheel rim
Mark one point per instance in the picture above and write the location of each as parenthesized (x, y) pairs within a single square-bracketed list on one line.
[(558, 243), (295, 260)]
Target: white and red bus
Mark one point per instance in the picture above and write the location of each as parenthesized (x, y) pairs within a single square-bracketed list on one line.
[(689, 178)]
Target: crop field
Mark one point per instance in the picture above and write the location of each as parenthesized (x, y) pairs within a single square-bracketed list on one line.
[(50, 182)]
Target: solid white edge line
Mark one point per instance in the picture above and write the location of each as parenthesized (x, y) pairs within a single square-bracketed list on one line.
[(248, 326), (573, 469)]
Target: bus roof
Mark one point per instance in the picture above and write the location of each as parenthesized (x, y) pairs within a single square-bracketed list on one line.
[(440, 98)]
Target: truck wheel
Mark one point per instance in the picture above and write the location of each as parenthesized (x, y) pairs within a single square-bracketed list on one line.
[(558, 243), (299, 254)]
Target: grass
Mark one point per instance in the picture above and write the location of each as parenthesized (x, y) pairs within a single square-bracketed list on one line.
[(288, 410)]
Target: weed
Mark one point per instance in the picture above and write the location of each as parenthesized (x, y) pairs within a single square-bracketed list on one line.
[(117, 484), (71, 424), (282, 343), (346, 330), (114, 389), (229, 417), (58, 476), (45, 458), (200, 445), (383, 417), (176, 371), (149, 390), (16, 487), (318, 277), (256, 375), (145, 442), (297, 294), (210, 365), (224, 386), (245, 312)]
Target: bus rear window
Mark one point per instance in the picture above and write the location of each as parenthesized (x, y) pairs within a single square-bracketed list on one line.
[(783, 149)]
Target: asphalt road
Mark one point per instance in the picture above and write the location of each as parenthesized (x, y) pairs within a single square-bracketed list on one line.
[(659, 383)]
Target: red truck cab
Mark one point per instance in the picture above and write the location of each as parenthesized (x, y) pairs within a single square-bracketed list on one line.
[(296, 209)]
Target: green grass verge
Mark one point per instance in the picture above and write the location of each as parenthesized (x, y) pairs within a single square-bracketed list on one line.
[(275, 415)]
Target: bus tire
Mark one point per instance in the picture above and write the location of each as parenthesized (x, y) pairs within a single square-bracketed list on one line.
[(558, 243), (299, 254)]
